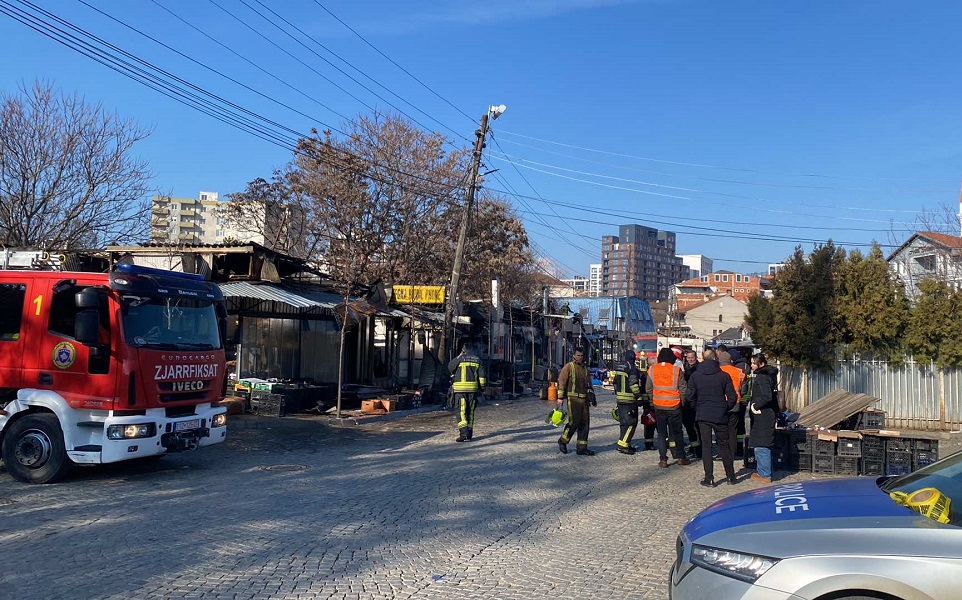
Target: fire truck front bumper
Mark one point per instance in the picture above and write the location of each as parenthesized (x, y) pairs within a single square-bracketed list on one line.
[(128, 437)]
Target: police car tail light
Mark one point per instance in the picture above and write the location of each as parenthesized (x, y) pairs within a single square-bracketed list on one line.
[(130, 432), (747, 567), (218, 420)]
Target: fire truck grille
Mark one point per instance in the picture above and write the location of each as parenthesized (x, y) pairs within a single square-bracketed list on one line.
[(184, 396)]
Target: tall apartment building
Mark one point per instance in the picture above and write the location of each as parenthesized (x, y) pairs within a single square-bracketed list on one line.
[(206, 221), (578, 283), (698, 264), (640, 261), (594, 280)]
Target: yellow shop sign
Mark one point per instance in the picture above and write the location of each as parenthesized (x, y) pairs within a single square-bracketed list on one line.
[(419, 294)]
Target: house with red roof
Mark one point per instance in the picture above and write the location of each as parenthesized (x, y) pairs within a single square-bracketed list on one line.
[(927, 254)]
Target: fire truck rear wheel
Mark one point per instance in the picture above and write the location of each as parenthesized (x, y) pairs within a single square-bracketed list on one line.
[(33, 450)]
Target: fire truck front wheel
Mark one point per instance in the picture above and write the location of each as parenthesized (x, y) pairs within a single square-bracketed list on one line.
[(33, 450)]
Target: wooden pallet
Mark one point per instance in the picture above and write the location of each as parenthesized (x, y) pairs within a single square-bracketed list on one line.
[(833, 408)]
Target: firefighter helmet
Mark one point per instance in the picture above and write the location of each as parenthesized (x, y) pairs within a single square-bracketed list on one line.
[(555, 417)]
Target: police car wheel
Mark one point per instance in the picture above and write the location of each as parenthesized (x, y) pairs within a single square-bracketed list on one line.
[(33, 450)]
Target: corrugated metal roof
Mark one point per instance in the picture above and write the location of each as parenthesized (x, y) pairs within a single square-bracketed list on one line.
[(299, 297)]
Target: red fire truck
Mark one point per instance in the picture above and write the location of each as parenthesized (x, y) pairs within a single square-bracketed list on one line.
[(103, 367)]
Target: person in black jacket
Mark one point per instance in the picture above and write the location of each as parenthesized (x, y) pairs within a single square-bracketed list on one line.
[(467, 382), (687, 410), (627, 391), (763, 408), (711, 392)]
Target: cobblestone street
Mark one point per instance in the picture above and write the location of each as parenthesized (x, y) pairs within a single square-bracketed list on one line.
[(295, 508)]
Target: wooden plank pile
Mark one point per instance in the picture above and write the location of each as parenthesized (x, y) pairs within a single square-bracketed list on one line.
[(833, 408)]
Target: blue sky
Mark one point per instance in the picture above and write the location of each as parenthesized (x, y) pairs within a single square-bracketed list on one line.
[(730, 123)]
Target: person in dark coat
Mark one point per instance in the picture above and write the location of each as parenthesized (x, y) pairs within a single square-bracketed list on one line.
[(687, 410), (763, 408), (711, 392), (627, 391)]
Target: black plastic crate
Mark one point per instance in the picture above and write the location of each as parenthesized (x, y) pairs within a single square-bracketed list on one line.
[(748, 461), (823, 447), (926, 445), (823, 463), (784, 460), (846, 465), (871, 466), (271, 405), (897, 469), (898, 445), (804, 462), (923, 458), (849, 447), (873, 442), (898, 463), (870, 420)]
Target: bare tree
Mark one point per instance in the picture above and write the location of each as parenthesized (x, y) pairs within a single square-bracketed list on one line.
[(67, 176)]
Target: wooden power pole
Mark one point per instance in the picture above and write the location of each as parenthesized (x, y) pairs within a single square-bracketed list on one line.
[(447, 340)]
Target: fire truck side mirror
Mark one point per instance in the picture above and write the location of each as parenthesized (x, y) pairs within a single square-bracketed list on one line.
[(86, 327), (87, 298)]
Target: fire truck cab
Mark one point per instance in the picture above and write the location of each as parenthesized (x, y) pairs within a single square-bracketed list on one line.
[(103, 367)]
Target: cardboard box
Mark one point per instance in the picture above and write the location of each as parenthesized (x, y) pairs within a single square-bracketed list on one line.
[(371, 407), (388, 405)]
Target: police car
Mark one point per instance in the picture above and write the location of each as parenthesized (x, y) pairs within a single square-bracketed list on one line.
[(892, 538)]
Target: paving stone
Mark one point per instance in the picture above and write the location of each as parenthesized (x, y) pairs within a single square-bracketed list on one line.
[(384, 509)]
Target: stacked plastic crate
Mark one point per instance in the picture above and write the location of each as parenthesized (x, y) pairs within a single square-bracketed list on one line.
[(848, 454), (898, 456), (873, 455), (823, 456)]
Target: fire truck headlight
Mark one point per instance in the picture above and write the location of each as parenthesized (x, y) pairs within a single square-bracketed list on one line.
[(219, 420), (129, 432)]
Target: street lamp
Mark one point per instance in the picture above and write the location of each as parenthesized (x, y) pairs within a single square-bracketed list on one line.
[(493, 113)]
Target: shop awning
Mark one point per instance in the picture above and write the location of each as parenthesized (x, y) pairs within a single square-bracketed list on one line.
[(301, 297)]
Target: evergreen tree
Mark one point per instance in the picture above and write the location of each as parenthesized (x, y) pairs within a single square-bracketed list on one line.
[(760, 320), (935, 324), (871, 308), (804, 295)]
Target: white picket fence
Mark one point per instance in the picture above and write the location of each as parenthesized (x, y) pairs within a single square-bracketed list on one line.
[(912, 397)]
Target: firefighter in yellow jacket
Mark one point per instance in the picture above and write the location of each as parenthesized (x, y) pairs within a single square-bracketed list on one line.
[(468, 379), (574, 385)]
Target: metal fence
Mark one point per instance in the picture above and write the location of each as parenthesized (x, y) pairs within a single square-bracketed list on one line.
[(913, 396)]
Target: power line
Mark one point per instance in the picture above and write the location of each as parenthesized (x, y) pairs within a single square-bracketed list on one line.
[(738, 235), (456, 133), (707, 166), (720, 180), (678, 197), (312, 69), (511, 158), (180, 90), (222, 74), (392, 61), (704, 220), (525, 179)]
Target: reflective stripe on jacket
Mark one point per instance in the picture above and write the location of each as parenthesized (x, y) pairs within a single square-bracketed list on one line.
[(627, 388), (576, 380), (468, 374), (738, 378), (664, 385)]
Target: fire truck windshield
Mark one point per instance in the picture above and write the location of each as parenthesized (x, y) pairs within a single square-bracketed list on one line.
[(170, 323)]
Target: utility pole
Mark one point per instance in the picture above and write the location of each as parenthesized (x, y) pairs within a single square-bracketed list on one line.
[(447, 340)]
